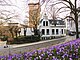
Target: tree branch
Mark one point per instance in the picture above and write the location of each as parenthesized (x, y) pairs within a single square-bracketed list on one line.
[(69, 17), (61, 8)]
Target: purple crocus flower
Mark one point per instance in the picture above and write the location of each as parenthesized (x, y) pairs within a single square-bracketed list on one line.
[(70, 58)]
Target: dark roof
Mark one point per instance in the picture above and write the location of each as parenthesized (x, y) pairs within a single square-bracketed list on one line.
[(13, 23), (57, 22), (41, 20), (33, 3), (53, 22)]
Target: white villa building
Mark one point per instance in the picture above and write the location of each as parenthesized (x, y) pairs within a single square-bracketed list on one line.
[(50, 28)]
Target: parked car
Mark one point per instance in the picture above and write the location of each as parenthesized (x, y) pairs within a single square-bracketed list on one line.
[(71, 33)]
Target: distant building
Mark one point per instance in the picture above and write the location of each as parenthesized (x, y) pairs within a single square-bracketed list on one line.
[(34, 16), (12, 27), (9, 28), (71, 24), (50, 28), (34, 13)]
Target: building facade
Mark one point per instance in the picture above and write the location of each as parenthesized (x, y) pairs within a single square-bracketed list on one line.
[(34, 13), (50, 28)]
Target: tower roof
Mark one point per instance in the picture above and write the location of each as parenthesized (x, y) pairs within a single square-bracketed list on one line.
[(33, 3)]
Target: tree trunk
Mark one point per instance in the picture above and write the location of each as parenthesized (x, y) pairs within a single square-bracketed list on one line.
[(24, 32), (35, 30), (76, 25), (77, 34), (12, 34), (19, 33), (16, 34), (76, 19)]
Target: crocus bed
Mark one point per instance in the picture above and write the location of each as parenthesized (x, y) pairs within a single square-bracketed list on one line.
[(67, 51)]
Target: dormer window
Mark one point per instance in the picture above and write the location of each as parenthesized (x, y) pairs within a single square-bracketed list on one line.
[(58, 22), (46, 23), (43, 23)]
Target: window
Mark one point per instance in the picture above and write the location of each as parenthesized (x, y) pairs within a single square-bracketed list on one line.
[(47, 32), (46, 23), (43, 23), (62, 31), (43, 32), (57, 31), (53, 32)]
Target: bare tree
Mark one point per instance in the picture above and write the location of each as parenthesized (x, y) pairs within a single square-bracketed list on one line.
[(35, 20), (8, 3), (73, 7), (52, 11), (7, 17), (5, 3), (16, 31), (13, 30), (68, 4), (34, 16)]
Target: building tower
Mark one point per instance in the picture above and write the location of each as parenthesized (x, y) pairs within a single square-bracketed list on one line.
[(34, 13)]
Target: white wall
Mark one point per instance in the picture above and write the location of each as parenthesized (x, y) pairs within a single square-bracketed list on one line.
[(28, 32), (50, 31)]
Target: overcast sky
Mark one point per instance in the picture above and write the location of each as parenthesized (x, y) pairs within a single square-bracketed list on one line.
[(21, 8)]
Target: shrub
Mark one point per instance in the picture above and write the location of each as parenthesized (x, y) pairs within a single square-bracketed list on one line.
[(4, 38), (26, 39)]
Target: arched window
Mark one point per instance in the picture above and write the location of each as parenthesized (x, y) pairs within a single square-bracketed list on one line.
[(46, 23), (62, 31), (47, 32), (43, 23), (43, 31), (57, 31), (53, 31)]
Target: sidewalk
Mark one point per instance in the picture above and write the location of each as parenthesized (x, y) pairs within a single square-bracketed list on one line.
[(69, 38), (33, 46), (35, 43)]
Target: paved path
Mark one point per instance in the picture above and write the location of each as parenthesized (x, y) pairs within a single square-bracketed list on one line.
[(32, 46)]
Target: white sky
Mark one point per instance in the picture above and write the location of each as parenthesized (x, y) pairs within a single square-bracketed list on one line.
[(22, 8)]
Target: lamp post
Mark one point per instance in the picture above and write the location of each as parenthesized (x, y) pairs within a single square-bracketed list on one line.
[(24, 31), (19, 31)]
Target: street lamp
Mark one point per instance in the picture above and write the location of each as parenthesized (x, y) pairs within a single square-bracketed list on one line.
[(24, 31), (19, 31)]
